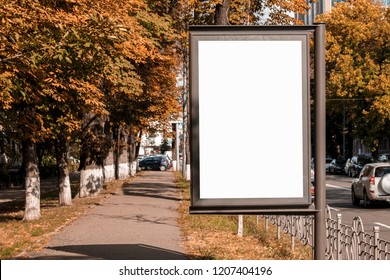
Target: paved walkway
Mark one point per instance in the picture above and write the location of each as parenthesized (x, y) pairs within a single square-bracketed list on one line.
[(138, 223)]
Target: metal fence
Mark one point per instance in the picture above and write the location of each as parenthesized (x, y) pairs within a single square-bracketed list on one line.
[(343, 242)]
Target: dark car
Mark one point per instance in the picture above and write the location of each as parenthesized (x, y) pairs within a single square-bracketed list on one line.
[(357, 163), (167, 158), (337, 166), (154, 163)]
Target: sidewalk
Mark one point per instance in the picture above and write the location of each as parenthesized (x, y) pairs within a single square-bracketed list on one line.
[(138, 223)]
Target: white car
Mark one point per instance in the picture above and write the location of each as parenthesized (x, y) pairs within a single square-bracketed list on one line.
[(372, 185)]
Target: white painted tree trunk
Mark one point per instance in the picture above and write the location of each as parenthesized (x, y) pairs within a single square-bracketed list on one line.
[(65, 195), (33, 199), (188, 172), (174, 165), (32, 182), (91, 181), (133, 168)]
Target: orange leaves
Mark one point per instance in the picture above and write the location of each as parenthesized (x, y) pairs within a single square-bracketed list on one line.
[(71, 58), (246, 12), (354, 46), (6, 99), (358, 67)]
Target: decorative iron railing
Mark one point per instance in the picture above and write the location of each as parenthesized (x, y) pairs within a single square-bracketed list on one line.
[(344, 242)]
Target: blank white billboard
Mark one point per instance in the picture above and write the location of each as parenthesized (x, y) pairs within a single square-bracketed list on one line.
[(250, 119)]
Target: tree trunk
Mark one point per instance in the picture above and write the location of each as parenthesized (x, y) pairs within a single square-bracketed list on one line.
[(31, 182), (138, 144), (132, 153), (222, 13), (117, 150), (65, 194), (92, 156)]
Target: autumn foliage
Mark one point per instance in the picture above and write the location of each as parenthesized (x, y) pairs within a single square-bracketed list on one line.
[(62, 61), (358, 67), (67, 64)]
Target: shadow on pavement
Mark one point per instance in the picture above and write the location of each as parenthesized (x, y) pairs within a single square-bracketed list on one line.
[(148, 190), (112, 252)]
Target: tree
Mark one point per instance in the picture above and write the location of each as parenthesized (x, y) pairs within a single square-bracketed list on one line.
[(240, 12), (57, 57), (358, 63), (53, 61), (20, 89), (143, 94)]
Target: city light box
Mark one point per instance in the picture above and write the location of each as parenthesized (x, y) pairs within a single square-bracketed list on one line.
[(250, 119)]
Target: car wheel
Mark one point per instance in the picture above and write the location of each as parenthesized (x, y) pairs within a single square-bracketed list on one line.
[(355, 199), (384, 184), (366, 200), (163, 168)]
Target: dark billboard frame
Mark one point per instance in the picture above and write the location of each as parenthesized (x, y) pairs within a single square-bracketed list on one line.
[(233, 205)]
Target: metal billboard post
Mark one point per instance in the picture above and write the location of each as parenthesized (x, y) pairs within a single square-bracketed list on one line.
[(320, 140), (177, 147)]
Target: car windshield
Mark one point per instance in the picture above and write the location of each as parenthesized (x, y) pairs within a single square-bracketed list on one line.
[(381, 171)]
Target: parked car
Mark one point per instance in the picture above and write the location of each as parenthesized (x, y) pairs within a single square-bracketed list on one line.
[(357, 163), (327, 164), (337, 166), (372, 185), (141, 157), (384, 158), (167, 158), (154, 163)]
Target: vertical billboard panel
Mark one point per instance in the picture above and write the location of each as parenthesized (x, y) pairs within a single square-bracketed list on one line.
[(250, 119)]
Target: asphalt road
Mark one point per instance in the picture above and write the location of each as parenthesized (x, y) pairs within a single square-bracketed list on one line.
[(338, 194)]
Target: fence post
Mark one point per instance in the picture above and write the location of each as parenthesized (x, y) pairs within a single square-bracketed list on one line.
[(292, 235), (338, 236), (266, 223), (240, 225), (376, 243), (278, 227)]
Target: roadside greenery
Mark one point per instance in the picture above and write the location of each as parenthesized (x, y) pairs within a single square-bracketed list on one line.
[(214, 237), (204, 236)]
